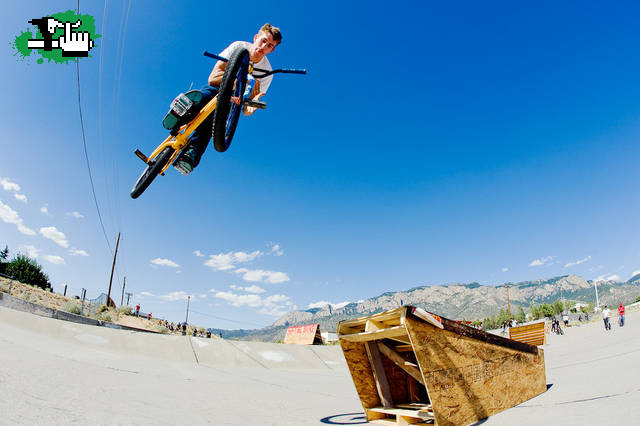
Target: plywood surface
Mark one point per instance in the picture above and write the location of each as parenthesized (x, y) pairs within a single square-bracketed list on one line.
[(468, 379)]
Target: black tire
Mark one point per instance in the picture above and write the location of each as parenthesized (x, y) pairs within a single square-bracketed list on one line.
[(154, 167), (227, 113)]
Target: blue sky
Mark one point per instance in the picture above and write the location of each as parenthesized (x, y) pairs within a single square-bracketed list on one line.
[(428, 144)]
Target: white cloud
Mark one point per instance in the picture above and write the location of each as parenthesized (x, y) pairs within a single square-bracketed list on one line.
[(8, 215), (254, 289), (175, 295), (259, 275), (323, 303), (171, 297), (249, 289), (31, 251), (275, 305), (276, 250), (252, 300), (20, 197), (44, 209), (635, 273), (505, 269), (541, 261), (198, 253), (213, 290), (56, 260), (227, 261), (77, 215), (613, 277), (7, 185), (164, 262), (76, 252), (51, 233), (577, 262)]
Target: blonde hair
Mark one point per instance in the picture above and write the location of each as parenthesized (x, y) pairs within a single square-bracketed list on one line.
[(274, 31)]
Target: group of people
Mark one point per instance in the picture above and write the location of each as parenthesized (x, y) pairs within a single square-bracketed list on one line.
[(606, 316), (511, 323)]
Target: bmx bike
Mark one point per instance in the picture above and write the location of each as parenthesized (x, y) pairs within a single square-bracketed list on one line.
[(225, 107)]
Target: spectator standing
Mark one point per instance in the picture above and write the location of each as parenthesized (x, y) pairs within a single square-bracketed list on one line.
[(621, 314), (565, 319), (138, 310), (606, 314), (149, 316)]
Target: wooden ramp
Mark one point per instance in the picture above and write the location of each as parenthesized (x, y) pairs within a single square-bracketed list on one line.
[(412, 367), (533, 334), (304, 335)]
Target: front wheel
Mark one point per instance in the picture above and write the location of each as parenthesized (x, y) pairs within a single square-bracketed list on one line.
[(227, 112), (154, 167)]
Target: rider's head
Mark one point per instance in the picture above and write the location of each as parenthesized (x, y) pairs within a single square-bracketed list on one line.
[(265, 42)]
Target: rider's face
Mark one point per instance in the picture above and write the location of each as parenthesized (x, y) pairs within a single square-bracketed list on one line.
[(263, 44)]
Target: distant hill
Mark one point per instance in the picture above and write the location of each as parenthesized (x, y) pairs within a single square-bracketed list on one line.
[(456, 301)]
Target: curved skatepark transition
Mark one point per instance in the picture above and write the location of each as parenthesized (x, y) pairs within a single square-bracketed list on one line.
[(58, 372)]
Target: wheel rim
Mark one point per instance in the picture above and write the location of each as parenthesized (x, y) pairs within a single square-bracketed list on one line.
[(235, 105)]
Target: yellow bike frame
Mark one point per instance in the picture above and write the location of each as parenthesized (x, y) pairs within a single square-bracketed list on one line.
[(179, 141)]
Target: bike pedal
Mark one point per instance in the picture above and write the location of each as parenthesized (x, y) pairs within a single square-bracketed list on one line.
[(255, 104), (141, 156)]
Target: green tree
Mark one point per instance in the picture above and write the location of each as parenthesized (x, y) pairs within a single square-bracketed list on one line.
[(28, 271), (521, 316), (535, 311), (558, 307), (546, 310), (3, 256)]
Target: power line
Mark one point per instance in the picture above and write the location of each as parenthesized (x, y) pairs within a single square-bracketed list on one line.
[(86, 156), (86, 152), (227, 319)]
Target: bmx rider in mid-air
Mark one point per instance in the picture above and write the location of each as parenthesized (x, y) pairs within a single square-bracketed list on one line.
[(264, 42)]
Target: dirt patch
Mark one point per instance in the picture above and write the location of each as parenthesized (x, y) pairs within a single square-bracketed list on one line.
[(59, 302)]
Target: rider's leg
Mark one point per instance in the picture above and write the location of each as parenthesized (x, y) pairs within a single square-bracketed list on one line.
[(199, 139)]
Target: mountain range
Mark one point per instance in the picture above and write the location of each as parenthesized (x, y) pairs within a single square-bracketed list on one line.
[(455, 301)]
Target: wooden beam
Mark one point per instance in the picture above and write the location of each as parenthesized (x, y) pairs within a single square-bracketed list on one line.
[(408, 367), (382, 384), (387, 333)]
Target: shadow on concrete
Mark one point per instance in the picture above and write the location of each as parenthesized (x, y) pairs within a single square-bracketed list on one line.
[(345, 419)]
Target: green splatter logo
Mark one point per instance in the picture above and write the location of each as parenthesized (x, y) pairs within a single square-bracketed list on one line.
[(59, 38)]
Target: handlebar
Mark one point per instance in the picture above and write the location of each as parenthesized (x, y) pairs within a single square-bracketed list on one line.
[(263, 73)]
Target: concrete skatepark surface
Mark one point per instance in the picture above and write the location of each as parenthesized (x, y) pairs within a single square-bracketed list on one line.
[(56, 372)]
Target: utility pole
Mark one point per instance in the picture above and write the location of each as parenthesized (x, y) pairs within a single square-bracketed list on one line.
[(84, 294), (124, 283), (65, 290), (508, 302), (113, 265), (128, 297), (187, 317)]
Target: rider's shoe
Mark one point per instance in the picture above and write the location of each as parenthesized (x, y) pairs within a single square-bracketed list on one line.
[(185, 163)]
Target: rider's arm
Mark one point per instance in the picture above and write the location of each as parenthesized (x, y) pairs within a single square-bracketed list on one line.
[(215, 78), (255, 96)]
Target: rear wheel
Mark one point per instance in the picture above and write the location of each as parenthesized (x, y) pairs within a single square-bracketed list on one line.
[(154, 167), (227, 112)]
